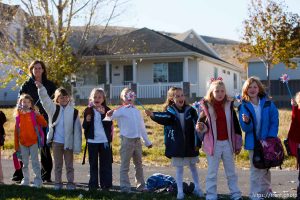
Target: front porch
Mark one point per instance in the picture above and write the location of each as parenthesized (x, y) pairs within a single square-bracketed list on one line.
[(143, 91)]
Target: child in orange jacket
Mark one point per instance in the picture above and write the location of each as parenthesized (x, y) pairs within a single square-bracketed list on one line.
[(28, 138)]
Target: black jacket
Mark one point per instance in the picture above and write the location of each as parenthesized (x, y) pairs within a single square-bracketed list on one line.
[(177, 142), (30, 88), (89, 126)]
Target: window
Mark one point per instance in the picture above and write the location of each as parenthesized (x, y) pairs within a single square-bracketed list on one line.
[(168, 72), (160, 72), (228, 72), (234, 81), (224, 71), (215, 73)]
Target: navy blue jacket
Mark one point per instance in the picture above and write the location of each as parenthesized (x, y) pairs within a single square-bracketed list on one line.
[(179, 143)]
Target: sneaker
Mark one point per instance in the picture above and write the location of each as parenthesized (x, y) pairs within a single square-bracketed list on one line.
[(17, 179), (71, 186), (180, 196), (24, 183), (58, 186), (198, 193), (47, 180), (141, 189)]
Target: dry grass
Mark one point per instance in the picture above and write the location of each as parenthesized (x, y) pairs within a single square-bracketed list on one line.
[(155, 155)]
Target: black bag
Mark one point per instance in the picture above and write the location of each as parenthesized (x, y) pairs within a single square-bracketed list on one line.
[(2, 131)]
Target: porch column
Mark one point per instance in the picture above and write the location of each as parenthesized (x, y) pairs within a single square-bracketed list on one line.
[(134, 71), (185, 69), (107, 72)]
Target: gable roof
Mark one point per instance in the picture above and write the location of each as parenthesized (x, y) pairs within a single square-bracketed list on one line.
[(192, 38), (145, 41)]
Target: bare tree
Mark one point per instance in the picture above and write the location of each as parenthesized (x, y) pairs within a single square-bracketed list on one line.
[(48, 27)]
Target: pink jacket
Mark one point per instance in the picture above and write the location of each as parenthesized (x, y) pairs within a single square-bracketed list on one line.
[(208, 117)]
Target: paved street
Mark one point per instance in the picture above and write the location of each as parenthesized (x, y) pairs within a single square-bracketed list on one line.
[(283, 181)]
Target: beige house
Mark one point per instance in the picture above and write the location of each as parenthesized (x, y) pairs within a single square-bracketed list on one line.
[(152, 62)]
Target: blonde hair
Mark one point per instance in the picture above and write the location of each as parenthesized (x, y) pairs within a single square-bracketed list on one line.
[(124, 92), (20, 100), (60, 91), (248, 82), (209, 94), (93, 92), (297, 98)]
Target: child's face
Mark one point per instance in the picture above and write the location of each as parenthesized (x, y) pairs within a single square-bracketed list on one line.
[(179, 98), (219, 93), (98, 99), (128, 98), (253, 90), (26, 104), (63, 100)]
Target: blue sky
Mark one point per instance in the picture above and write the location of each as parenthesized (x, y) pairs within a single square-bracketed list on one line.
[(217, 18)]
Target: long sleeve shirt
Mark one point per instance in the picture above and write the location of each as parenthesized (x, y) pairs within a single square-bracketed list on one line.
[(131, 123)]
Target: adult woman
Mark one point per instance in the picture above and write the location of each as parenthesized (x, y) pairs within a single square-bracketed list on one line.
[(38, 73)]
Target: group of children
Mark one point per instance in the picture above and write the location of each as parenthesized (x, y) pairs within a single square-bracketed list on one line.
[(216, 127)]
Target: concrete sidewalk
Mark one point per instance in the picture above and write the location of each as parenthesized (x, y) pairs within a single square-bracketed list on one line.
[(284, 182)]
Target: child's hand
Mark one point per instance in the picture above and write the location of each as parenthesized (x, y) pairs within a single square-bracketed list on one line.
[(36, 112), (238, 151), (245, 118), (293, 102), (38, 84), (109, 113), (88, 118), (148, 113), (150, 146), (200, 126), (101, 109)]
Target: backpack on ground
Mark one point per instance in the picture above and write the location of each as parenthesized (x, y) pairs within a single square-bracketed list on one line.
[(159, 182)]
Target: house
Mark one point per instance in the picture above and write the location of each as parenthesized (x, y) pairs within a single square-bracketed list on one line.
[(152, 62), (11, 25), (278, 90)]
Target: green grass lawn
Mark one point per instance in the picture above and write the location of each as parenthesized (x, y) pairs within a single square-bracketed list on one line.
[(23, 192), (155, 155)]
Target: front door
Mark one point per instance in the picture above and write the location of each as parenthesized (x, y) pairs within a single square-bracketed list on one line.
[(128, 74)]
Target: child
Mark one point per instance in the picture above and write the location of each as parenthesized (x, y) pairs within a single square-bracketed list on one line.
[(98, 134), (132, 129), (293, 134), (264, 124), (2, 138), (222, 139), (182, 144), (27, 137), (64, 132)]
